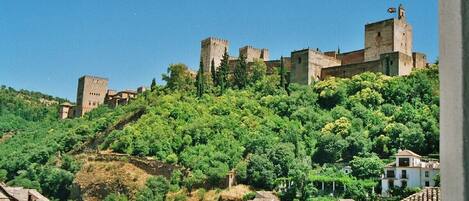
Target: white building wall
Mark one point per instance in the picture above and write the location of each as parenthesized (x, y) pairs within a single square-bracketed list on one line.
[(413, 175), (431, 175)]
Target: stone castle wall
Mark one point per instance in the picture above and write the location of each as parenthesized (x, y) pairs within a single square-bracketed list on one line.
[(419, 60), (252, 53), (353, 57), (306, 65), (392, 64), (350, 70)]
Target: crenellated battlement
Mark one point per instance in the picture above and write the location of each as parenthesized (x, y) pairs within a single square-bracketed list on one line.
[(212, 39), (251, 53)]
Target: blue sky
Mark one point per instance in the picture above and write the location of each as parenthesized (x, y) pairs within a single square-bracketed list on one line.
[(47, 45)]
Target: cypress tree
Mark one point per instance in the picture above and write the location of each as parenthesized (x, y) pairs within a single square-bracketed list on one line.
[(282, 73), (200, 80), (241, 72), (213, 73), (153, 85), (287, 85), (223, 72)]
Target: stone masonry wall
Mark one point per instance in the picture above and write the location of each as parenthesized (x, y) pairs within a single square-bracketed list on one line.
[(350, 70), (353, 57), (419, 60)]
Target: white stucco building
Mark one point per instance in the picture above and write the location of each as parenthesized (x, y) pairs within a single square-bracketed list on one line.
[(409, 170)]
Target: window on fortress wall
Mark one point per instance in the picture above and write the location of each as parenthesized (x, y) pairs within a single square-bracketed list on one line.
[(299, 60), (379, 34)]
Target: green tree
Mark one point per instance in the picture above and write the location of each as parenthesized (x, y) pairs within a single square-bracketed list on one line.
[(261, 172), (153, 84), (282, 73), (178, 78), (329, 148), (367, 167), (241, 72), (332, 92), (382, 146), (155, 189), (3, 175), (258, 71), (195, 178), (223, 72), (281, 156), (214, 74), (413, 138), (116, 197), (200, 80)]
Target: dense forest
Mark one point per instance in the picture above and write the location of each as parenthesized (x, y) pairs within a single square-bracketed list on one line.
[(269, 131)]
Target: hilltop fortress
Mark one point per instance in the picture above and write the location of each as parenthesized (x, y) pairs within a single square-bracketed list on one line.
[(388, 50)]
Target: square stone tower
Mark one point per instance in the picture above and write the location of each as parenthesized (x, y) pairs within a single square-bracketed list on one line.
[(90, 93), (392, 35), (252, 53), (306, 65), (213, 48)]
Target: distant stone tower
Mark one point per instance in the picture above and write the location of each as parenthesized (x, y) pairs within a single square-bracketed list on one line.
[(392, 35), (212, 48), (90, 93), (252, 53)]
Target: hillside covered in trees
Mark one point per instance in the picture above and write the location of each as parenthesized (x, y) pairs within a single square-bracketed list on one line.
[(265, 129)]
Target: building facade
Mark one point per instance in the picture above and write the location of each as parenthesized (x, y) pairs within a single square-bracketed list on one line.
[(114, 99), (66, 110), (409, 170)]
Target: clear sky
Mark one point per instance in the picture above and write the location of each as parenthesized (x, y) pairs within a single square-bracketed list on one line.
[(47, 45)]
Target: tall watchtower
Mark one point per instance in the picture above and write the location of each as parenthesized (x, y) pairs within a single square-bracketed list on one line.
[(90, 93), (212, 48), (391, 35)]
